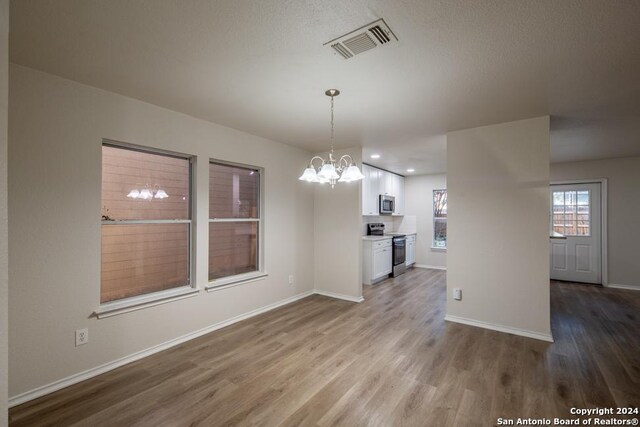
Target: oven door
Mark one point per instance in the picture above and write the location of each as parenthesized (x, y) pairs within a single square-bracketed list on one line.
[(399, 250)]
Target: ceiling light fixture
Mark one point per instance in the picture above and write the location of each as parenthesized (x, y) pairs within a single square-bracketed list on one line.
[(330, 170), (375, 156), (411, 170)]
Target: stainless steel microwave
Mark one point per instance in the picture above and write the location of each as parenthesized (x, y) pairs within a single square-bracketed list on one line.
[(387, 204)]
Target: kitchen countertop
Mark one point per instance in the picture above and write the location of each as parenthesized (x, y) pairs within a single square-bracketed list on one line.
[(387, 236)]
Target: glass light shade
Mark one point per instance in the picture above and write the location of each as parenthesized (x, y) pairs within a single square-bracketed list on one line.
[(146, 194), (345, 176), (356, 175), (133, 194), (161, 194), (321, 180), (309, 175), (352, 173), (328, 172)]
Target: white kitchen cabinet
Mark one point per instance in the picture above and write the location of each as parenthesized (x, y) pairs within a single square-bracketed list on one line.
[(376, 182), (370, 190), (377, 261), (382, 262), (398, 193), (410, 254)]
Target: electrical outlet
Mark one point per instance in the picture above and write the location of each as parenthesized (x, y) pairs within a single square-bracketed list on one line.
[(291, 279), (457, 294), (82, 336)]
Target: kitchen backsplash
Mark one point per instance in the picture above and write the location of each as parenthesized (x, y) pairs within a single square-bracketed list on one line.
[(392, 224)]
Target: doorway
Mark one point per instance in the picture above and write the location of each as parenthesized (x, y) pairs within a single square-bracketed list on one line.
[(576, 245)]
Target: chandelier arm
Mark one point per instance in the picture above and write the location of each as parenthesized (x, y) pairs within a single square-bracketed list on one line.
[(346, 163), (316, 158)]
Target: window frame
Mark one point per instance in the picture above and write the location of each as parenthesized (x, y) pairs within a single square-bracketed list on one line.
[(433, 222), (260, 273), (137, 302)]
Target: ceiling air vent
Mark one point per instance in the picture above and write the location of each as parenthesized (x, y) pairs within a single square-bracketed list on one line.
[(367, 37)]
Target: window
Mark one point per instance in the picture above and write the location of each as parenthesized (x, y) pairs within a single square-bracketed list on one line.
[(571, 212), (235, 220), (146, 222), (440, 219)]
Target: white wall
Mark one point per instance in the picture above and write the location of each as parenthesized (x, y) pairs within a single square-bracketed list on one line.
[(338, 237), (419, 202), (498, 214), (55, 137), (623, 177), (4, 277)]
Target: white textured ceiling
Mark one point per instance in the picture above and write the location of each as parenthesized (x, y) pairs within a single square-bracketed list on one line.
[(260, 66)]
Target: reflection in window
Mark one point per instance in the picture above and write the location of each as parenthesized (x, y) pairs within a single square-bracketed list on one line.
[(146, 222), (234, 220)]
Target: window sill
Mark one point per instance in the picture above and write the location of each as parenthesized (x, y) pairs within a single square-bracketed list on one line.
[(228, 282), (438, 249), (144, 301)]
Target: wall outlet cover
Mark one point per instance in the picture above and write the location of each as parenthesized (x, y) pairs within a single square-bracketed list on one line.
[(82, 336), (457, 294)]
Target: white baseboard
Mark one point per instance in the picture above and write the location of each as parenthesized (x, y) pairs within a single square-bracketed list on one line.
[(432, 267), (629, 287), (338, 296), (500, 328), (90, 373)]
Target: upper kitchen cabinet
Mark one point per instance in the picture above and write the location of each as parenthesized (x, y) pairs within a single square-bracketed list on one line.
[(376, 182), (398, 189), (370, 190)]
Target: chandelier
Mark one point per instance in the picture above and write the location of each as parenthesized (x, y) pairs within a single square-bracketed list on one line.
[(331, 170)]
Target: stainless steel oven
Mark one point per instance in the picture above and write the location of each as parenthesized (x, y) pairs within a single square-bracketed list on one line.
[(387, 204), (399, 254)]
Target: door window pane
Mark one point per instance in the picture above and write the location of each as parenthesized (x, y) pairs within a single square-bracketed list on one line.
[(571, 212)]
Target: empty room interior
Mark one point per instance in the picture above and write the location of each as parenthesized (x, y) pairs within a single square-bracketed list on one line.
[(319, 213)]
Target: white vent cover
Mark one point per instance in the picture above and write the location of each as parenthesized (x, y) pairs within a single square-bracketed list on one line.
[(367, 37)]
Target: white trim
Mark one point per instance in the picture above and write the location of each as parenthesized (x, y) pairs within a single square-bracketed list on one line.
[(144, 221), (500, 328), (437, 249), (604, 241), (229, 282), (628, 287), (90, 373), (431, 267), (234, 219), (144, 301), (339, 296)]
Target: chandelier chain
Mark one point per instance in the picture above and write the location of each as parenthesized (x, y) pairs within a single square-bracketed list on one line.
[(332, 123)]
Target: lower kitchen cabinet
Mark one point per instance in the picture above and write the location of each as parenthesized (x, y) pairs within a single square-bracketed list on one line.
[(410, 254), (377, 261)]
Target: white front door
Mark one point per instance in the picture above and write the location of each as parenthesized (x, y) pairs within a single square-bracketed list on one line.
[(576, 214)]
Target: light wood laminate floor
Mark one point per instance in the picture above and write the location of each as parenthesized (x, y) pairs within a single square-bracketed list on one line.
[(391, 360)]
